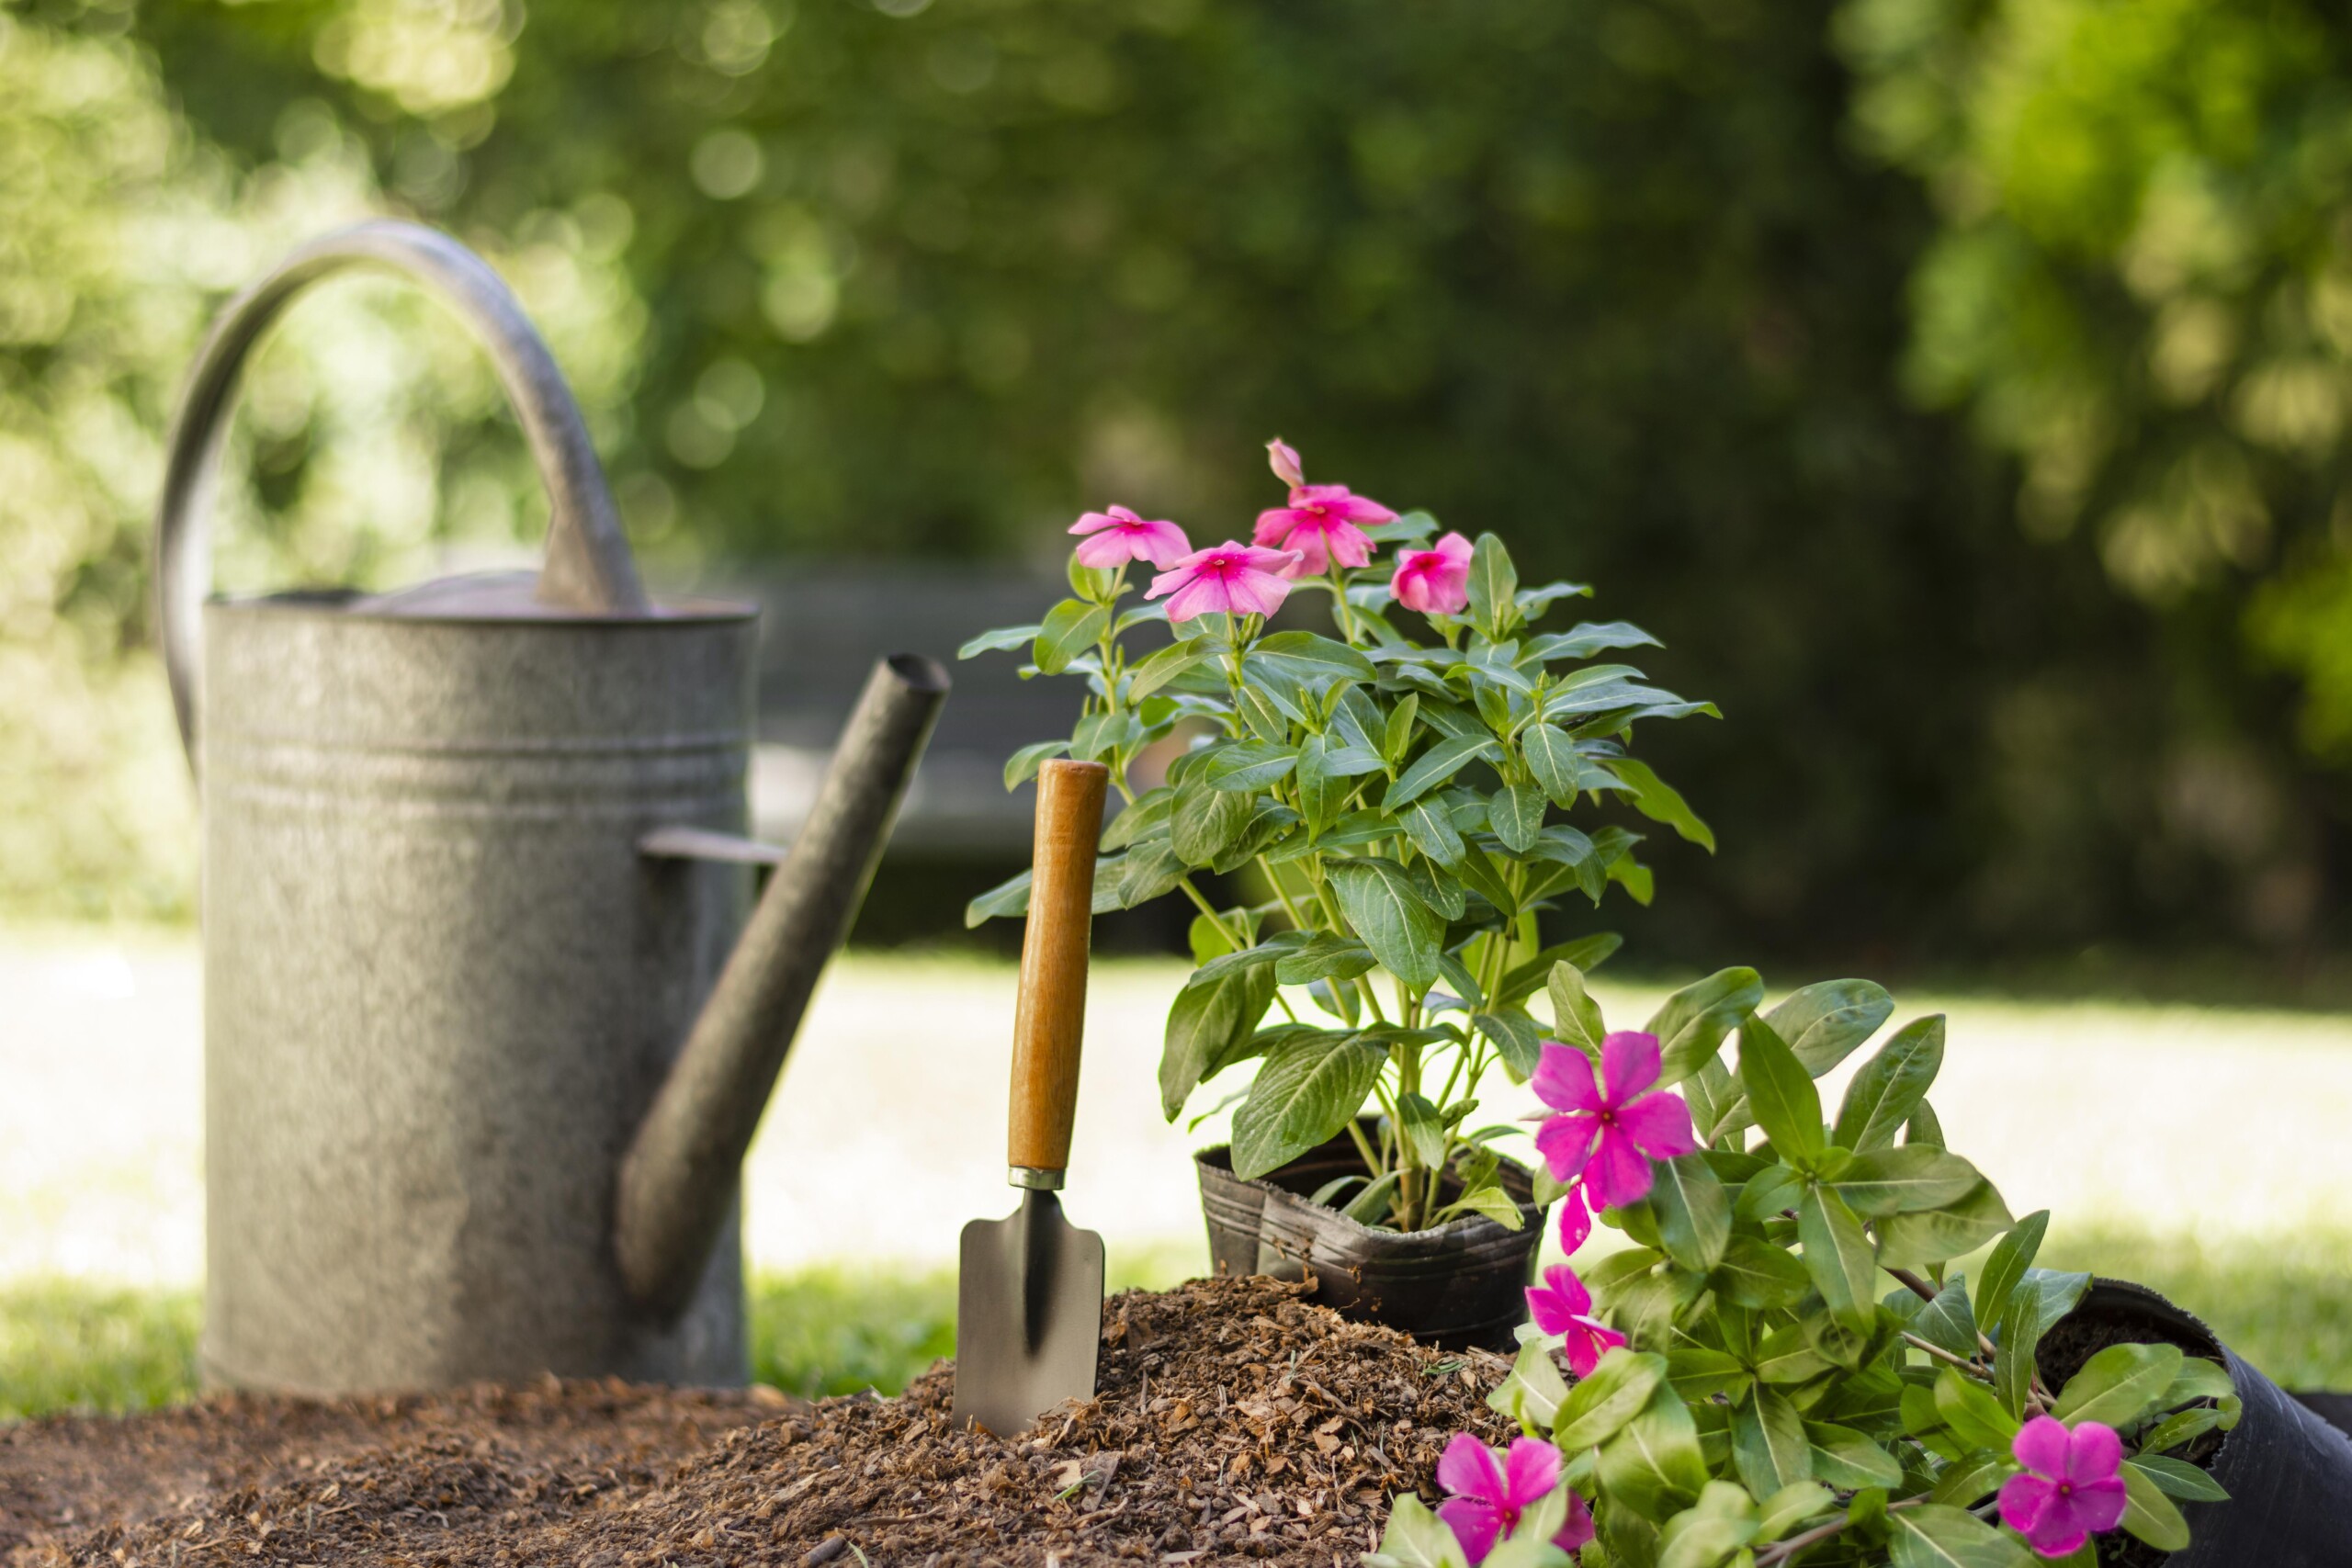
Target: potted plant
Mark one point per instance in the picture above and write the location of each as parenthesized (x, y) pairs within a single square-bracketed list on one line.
[(1398, 794), (1784, 1367)]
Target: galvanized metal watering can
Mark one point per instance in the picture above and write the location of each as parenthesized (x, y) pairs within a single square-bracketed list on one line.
[(486, 1034)]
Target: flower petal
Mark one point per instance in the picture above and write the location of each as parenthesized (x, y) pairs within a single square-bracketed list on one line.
[(2024, 1499), (1255, 592), (2093, 1453), (2098, 1504), (1283, 457), (1202, 596), (1529, 1472), (1660, 1124), (1454, 547), (1275, 524), (1564, 1284), (2041, 1446), (1563, 1078), (1566, 1143), (1467, 1469), (1180, 576), (1576, 1531), (1576, 1220), (1619, 1172), (1474, 1524), (1629, 1061), (1587, 1342)]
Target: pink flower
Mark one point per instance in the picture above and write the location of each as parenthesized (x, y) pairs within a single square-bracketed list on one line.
[(1434, 581), (1283, 457), (2070, 1488), (1612, 1130), (1320, 524), (1576, 1220), (1562, 1305), (1119, 535), (1238, 578), (1490, 1498)]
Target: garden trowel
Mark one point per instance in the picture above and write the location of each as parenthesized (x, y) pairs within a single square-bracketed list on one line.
[(1029, 1299)]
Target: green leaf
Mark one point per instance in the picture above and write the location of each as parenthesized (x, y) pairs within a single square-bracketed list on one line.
[(1308, 657), (1969, 1408), (1576, 1017), (1906, 1180), (1492, 1201), (1837, 1256), (1444, 893), (1164, 666), (1023, 765), (1692, 1211), (1754, 1273), (1781, 1095), (2013, 1360), (1205, 1023), (1790, 1506), (1534, 1392), (1937, 1235), (1424, 1135), (1325, 956), (1659, 801), (1691, 1024), (2197, 1379), (1436, 765), (1890, 1084), (2117, 1385), (1516, 812), (1599, 1406), (1933, 1535), (1247, 765), (1429, 824), (2149, 1514), (1494, 583), (1321, 792), (1518, 1037), (1971, 1479), (1699, 1375), (1769, 1443), (1404, 934), (1825, 1021), (1786, 1356), (1847, 1459), (1416, 1539), (1369, 1203), (1653, 1465), (1947, 1323), (1070, 628), (1007, 898), (1708, 1534), (1553, 758), (2178, 1478), (2054, 1293), (2007, 1264), (998, 640), (1306, 1092), (1206, 819), (1145, 873), (1477, 872), (1769, 1194)]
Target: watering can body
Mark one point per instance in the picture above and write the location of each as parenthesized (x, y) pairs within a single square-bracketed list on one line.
[(471, 1111)]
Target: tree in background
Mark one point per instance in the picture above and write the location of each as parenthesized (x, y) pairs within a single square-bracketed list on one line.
[(877, 277)]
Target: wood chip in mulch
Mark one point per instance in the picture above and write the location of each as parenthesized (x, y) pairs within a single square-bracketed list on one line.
[(1233, 1421)]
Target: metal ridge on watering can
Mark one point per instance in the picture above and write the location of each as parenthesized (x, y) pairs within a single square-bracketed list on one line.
[(474, 873)]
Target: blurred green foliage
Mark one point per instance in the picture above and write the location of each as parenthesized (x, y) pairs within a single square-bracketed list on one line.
[(1642, 282)]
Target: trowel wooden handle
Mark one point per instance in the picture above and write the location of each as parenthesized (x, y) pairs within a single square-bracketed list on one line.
[(1052, 1013)]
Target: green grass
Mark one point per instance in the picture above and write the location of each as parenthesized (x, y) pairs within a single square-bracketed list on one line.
[(66, 1345), (69, 1346)]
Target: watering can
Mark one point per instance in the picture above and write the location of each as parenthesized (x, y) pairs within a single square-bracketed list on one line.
[(486, 1028)]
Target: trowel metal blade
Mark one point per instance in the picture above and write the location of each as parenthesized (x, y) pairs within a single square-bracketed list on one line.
[(1028, 1315)]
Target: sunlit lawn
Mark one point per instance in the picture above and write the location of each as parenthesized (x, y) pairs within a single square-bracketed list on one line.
[(823, 1331)]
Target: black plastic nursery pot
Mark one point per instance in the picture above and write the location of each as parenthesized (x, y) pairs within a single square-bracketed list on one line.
[(1463, 1285), (2288, 1473)]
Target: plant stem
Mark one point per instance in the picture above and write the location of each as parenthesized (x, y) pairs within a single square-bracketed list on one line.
[(1962, 1362), (1782, 1550)]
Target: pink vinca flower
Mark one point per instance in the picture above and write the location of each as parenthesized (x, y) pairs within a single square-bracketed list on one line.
[(2070, 1488), (1612, 1130), (1118, 535), (1434, 581), (1491, 1497), (1283, 457), (1241, 578), (1562, 1305), (1321, 524)]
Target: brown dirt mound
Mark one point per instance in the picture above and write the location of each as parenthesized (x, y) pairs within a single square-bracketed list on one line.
[(1233, 1421)]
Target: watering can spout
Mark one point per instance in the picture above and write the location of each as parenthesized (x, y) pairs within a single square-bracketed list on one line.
[(678, 1180)]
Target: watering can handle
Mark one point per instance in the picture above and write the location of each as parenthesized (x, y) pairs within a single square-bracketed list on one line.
[(1050, 1017), (588, 565)]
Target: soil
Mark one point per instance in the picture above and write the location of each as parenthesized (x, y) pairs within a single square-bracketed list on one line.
[(1233, 1420)]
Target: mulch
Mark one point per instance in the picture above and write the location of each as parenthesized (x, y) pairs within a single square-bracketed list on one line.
[(1233, 1421)]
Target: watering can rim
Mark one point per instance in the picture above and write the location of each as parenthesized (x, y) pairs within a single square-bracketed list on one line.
[(346, 603)]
